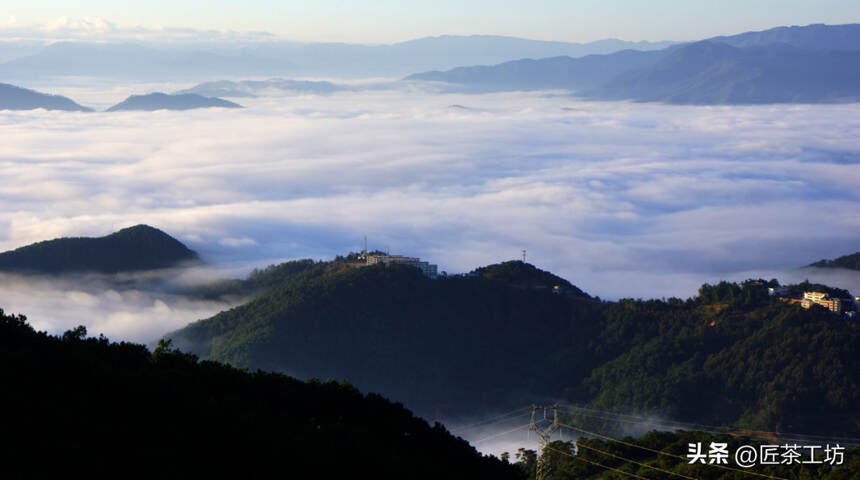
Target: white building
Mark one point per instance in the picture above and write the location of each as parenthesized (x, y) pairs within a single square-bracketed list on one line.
[(426, 268)]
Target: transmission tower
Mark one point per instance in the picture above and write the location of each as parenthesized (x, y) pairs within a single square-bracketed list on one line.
[(543, 434)]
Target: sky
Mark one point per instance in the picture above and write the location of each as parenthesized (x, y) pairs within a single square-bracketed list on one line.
[(388, 21)]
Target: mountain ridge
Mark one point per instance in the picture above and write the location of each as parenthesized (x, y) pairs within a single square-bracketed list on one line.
[(783, 65), (18, 98), (150, 61), (136, 248)]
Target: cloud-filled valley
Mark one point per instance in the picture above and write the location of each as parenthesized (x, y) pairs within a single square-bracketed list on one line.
[(623, 199)]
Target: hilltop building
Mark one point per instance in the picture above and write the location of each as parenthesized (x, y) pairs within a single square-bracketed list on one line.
[(823, 299), (778, 291), (426, 268)]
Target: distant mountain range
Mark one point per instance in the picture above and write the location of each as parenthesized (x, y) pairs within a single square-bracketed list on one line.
[(546, 73), (163, 101), (812, 64), (131, 249), (253, 88), (143, 61), (17, 98)]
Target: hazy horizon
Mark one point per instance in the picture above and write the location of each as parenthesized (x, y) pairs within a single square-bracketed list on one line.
[(385, 21)]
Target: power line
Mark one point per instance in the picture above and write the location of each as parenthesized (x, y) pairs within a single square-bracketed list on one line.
[(765, 434), (491, 420), (502, 434), (659, 452), (577, 457), (634, 461)]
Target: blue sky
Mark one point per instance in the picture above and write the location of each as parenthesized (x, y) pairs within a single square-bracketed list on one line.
[(383, 21)]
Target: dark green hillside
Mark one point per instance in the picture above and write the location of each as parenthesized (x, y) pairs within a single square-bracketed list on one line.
[(851, 262), (767, 366), (131, 249), (262, 280), (448, 347), (523, 275), (439, 345), (77, 407)]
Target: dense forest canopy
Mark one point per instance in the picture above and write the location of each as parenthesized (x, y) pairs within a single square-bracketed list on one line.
[(87, 407), (731, 356)]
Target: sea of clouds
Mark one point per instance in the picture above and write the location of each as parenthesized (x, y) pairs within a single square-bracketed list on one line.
[(622, 199)]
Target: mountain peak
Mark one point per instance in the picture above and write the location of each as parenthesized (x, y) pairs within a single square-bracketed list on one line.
[(526, 275), (18, 98), (136, 248)]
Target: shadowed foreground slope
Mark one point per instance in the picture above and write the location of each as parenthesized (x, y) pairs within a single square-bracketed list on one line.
[(86, 407)]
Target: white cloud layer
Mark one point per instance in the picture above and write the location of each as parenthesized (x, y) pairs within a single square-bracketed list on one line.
[(622, 199), (99, 29), (124, 307)]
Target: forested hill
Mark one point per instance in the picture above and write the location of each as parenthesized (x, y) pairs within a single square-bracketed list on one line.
[(79, 407), (131, 249), (524, 275), (435, 344), (851, 262), (731, 356)]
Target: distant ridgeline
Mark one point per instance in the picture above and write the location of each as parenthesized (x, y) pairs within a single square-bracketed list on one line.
[(163, 414), (851, 262), (510, 334), (17, 98), (131, 249), (811, 64)]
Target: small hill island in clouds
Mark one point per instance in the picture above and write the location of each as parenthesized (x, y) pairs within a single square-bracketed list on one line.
[(254, 88), (17, 98), (131, 249), (850, 262), (164, 101)]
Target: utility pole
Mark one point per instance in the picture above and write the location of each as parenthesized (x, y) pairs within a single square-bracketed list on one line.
[(543, 434), (524, 256)]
